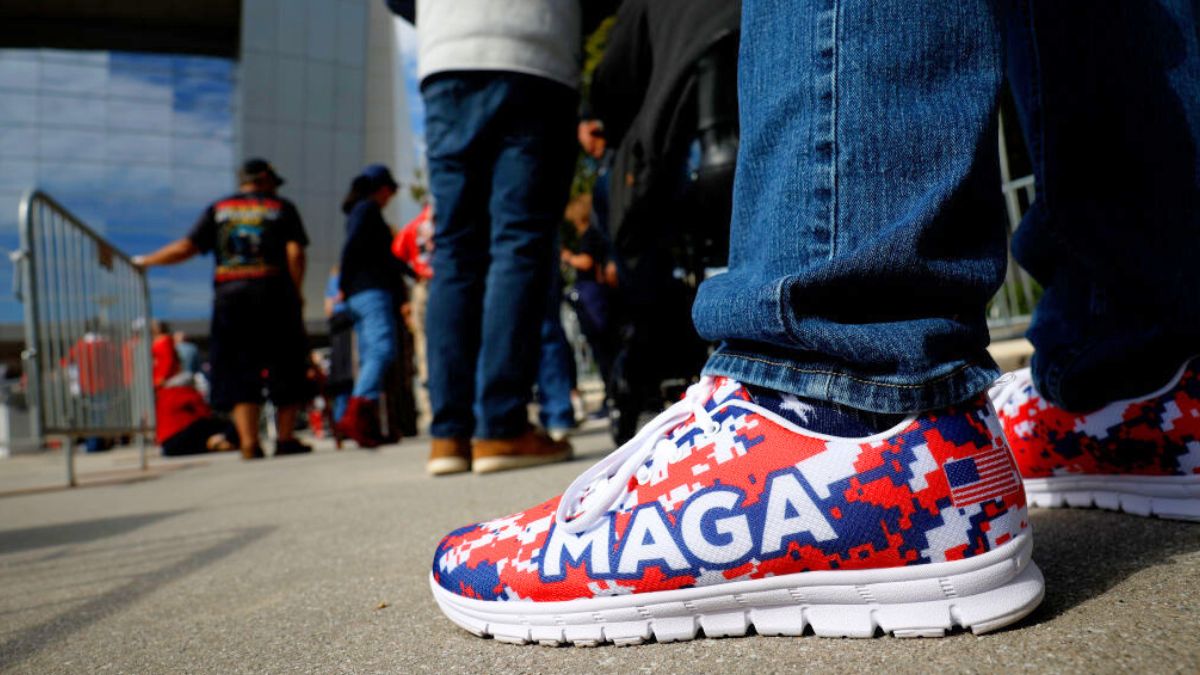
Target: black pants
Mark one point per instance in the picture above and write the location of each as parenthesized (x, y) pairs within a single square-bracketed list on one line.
[(193, 440), (258, 344)]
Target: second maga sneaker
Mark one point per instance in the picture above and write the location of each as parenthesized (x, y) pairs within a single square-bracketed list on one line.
[(722, 515), (1141, 455)]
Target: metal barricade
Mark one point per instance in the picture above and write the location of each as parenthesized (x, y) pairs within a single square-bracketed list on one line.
[(87, 338), (1011, 309)]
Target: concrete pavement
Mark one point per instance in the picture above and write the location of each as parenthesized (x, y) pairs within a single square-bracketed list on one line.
[(319, 564)]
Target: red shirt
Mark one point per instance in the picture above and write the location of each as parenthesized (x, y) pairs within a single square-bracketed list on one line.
[(177, 407), (414, 244), (96, 360), (166, 361)]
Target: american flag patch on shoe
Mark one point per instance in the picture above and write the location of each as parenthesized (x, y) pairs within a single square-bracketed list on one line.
[(986, 476)]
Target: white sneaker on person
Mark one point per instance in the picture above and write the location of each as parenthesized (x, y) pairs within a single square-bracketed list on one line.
[(721, 515)]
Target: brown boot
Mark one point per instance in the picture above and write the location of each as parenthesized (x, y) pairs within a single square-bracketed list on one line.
[(532, 448), (449, 455)]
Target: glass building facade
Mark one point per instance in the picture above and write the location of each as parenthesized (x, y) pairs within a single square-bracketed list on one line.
[(134, 144)]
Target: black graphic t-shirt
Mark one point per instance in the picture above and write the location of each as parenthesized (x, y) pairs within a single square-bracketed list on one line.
[(248, 235)]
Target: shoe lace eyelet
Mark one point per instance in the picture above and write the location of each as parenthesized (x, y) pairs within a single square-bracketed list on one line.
[(643, 475)]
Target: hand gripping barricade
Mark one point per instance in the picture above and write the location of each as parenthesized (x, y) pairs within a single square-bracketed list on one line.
[(87, 339)]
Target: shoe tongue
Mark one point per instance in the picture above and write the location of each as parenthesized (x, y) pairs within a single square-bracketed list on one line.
[(726, 389), (823, 417)]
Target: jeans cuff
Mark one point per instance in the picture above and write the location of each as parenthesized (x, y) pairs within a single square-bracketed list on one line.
[(947, 385), (498, 431), (566, 421)]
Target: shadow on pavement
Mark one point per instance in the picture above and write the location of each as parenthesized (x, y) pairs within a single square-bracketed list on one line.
[(78, 532), (105, 478), (1084, 553), (31, 640)]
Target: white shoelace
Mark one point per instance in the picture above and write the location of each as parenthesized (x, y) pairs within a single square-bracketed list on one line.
[(1008, 386), (594, 492)]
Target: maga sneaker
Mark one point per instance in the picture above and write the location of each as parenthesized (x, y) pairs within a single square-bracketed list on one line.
[(1140, 456), (721, 515)]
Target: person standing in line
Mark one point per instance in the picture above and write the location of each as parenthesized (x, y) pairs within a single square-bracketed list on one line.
[(257, 339), (591, 291), (499, 81), (556, 368), (556, 377), (93, 369), (370, 279)]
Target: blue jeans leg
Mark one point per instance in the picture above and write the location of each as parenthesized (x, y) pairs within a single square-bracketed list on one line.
[(339, 406), (868, 231), (1110, 104), (500, 154), (375, 325), (554, 377)]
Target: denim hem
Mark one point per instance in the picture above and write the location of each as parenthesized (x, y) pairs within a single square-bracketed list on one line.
[(478, 427), (559, 421), (504, 431), (821, 381)]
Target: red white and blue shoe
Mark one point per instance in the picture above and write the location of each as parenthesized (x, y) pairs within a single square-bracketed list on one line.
[(1141, 456), (721, 515)]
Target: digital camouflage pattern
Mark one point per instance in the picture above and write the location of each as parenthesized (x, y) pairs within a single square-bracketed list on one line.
[(755, 497)]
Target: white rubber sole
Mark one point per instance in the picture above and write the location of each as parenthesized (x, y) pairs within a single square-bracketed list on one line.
[(440, 466), (980, 594), (1173, 497), (506, 462)]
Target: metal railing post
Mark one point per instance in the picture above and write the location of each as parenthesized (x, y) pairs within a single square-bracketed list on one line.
[(1006, 317), (29, 355), (145, 366)]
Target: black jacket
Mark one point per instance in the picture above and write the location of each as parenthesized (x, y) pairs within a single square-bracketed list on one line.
[(405, 9), (643, 88), (367, 260)]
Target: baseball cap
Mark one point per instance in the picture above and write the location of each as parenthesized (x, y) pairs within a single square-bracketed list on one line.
[(379, 175), (258, 167)]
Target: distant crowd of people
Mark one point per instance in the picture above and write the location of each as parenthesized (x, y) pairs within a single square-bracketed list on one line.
[(455, 318), (369, 387)]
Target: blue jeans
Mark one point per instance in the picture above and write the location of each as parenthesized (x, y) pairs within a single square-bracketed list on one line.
[(868, 229), (556, 376), (556, 368), (374, 313), (339, 404), (501, 148)]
